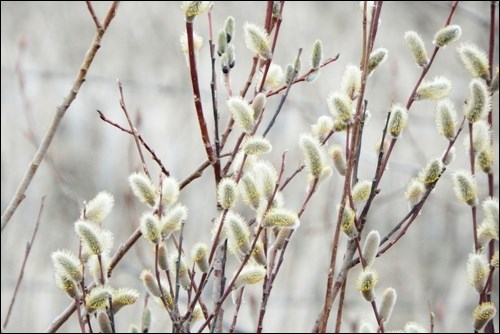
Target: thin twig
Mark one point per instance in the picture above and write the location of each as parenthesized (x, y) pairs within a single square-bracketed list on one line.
[(284, 96), (132, 129), (338, 322), (237, 310), (23, 265), (139, 137), (56, 120), (213, 90), (94, 16)]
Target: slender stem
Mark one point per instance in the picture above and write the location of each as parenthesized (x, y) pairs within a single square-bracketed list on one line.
[(284, 96), (93, 15), (213, 89), (132, 129), (197, 97), (56, 120), (338, 322), (237, 310), (23, 265)]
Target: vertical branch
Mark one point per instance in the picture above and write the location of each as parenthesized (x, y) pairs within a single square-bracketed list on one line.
[(23, 265), (132, 129), (197, 98), (56, 120), (338, 323), (213, 89)]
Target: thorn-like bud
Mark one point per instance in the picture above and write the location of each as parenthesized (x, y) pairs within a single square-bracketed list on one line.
[(398, 120), (123, 297), (249, 192), (258, 104), (97, 299), (387, 305), (414, 191), (257, 146), (479, 101), (172, 220), (97, 209), (229, 28), (150, 227), (447, 35), (193, 8), (370, 248), (179, 268), (367, 280), (417, 48), (475, 60), (250, 274), (323, 126), (316, 54), (242, 113), (377, 57), (170, 191), (350, 83), (431, 173), (482, 314), (227, 193), (281, 218), (257, 40), (438, 88), (143, 188), (221, 42), (199, 256), (335, 152), (446, 118), (340, 106), (347, 222), (238, 233), (90, 236), (465, 187), (313, 155), (274, 77), (68, 265)]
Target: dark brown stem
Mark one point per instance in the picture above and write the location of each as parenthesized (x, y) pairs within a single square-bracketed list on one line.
[(132, 129), (23, 265), (197, 96)]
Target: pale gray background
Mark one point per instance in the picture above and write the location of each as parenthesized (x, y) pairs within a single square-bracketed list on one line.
[(141, 48)]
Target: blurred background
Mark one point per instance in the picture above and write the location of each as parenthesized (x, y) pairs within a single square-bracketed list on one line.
[(42, 47)]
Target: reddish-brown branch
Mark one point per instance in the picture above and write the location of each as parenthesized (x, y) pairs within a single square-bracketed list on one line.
[(94, 16), (197, 97)]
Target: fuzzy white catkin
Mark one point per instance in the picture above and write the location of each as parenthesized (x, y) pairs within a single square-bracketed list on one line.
[(387, 305), (370, 248)]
